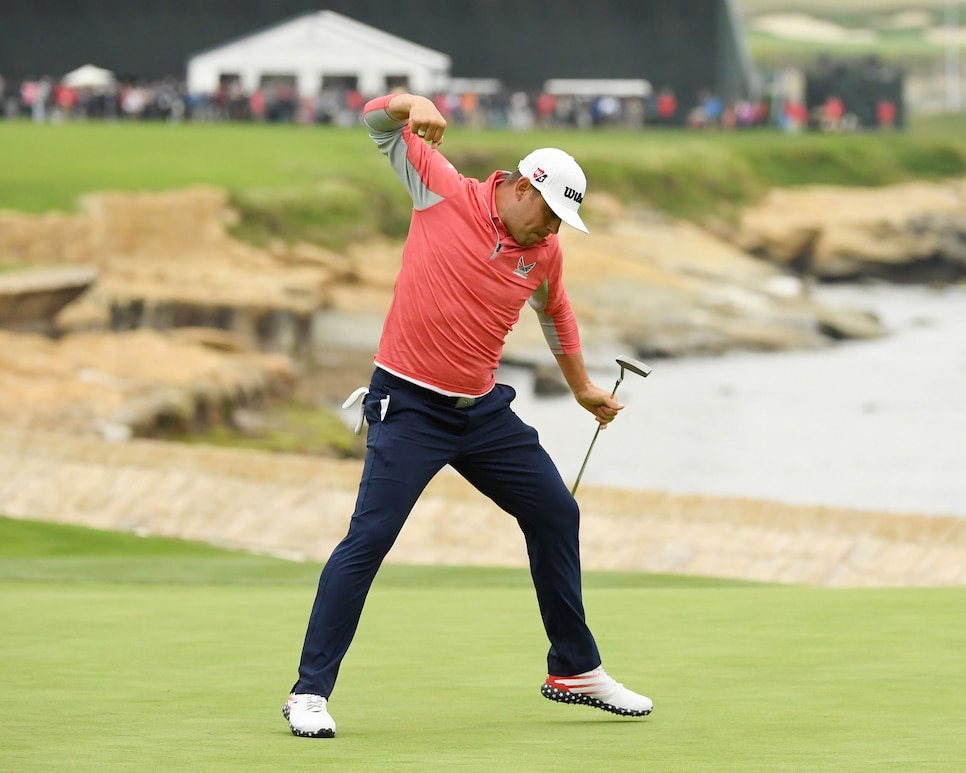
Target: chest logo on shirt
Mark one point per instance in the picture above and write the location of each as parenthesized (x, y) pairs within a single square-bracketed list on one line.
[(523, 269)]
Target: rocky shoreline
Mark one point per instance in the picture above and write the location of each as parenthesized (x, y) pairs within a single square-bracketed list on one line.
[(120, 325), (116, 277)]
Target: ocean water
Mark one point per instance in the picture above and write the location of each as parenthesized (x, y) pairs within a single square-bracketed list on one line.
[(877, 425)]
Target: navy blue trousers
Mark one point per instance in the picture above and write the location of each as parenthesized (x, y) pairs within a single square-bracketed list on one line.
[(410, 439)]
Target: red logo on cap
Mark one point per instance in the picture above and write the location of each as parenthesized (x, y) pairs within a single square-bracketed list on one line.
[(539, 175)]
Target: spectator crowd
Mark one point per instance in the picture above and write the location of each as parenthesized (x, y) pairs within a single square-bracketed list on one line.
[(49, 100)]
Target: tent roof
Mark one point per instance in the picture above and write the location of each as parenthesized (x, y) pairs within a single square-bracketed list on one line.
[(88, 75), (598, 87), (311, 31)]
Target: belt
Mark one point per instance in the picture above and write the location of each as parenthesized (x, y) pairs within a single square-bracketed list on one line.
[(436, 398), (428, 394)]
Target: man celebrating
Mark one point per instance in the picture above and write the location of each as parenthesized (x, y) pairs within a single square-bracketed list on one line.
[(475, 254)]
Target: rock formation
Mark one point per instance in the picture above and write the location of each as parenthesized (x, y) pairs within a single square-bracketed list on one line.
[(142, 266), (177, 323), (913, 233)]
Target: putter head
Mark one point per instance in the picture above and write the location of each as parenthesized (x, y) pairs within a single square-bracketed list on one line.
[(634, 366)]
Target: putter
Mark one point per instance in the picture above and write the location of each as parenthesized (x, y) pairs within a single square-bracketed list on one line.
[(626, 363)]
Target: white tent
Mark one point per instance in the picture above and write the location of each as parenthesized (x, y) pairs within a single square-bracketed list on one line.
[(89, 77), (316, 48), (598, 87)]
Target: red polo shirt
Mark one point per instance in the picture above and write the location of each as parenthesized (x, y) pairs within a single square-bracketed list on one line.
[(463, 278)]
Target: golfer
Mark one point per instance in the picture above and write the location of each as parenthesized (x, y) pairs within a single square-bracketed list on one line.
[(476, 253)]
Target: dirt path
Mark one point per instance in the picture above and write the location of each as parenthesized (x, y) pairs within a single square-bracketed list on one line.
[(299, 507)]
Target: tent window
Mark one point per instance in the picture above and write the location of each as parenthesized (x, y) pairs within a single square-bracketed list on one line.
[(340, 82), (277, 81), (397, 82)]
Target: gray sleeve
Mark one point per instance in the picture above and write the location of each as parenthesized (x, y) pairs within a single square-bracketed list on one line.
[(387, 133), (538, 302)]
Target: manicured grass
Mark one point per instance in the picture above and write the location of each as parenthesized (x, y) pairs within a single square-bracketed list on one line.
[(901, 48), (329, 185), (49, 166), (825, 7), (121, 653)]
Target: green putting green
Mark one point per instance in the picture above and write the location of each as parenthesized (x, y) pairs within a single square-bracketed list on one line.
[(122, 653)]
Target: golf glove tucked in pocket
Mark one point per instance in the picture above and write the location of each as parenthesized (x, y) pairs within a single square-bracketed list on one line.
[(359, 396)]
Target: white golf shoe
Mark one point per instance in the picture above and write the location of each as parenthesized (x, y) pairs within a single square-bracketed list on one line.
[(595, 688), (308, 717)]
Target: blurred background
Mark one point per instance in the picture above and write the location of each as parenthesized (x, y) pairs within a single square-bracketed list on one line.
[(658, 61)]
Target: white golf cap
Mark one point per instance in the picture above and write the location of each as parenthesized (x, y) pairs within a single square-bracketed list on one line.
[(560, 181)]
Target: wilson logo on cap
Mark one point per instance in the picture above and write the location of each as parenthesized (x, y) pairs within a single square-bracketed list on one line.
[(560, 180), (570, 193)]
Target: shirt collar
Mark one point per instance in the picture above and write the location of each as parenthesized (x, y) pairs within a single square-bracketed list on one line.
[(489, 194)]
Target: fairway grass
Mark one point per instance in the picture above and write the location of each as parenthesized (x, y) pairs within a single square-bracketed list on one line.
[(329, 185), (127, 654)]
